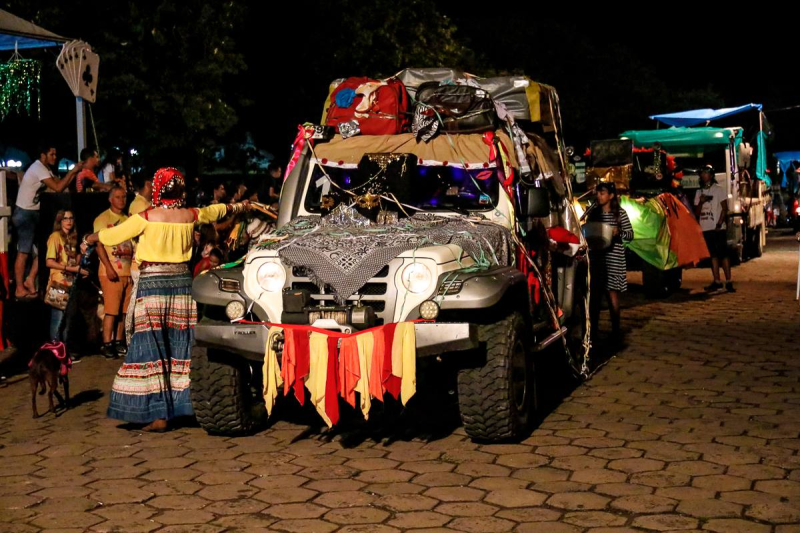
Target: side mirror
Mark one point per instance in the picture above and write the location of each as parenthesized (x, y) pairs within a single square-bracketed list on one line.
[(538, 200)]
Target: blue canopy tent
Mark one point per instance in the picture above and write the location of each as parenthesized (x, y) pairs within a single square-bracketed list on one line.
[(704, 116), (786, 162), (18, 34)]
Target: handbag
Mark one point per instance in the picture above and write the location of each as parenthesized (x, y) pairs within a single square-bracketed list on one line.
[(56, 294)]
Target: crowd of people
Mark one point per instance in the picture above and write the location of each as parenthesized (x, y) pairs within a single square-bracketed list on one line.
[(111, 273)]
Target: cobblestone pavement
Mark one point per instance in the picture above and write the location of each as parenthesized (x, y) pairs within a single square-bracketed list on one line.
[(694, 426)]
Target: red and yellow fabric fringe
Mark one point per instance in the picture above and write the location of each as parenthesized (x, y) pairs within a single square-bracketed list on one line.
[(371, 363)]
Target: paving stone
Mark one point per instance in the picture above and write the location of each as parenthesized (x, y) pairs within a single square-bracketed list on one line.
[(593, 519), (370, 528), (696, 468), (408, 502), (576, 501), (722, 483), (423, 467), (419, 519), (529, 514), (749, 497), (345, 499), (686, 493), (560, 451), (184, 517), (285, 495), (632, 466), (304, 526), (437, 479), (578, 462), (245, 522), (247, 506), (515, 498), (498, 483), (394, 488), (293, 511), (128, 526), (272, 482), (732, 525), (466, 509), (455, 494), (171, 488), (64, 520), (661, 479), (523, 460), (623, 489), (227, 492), (551, 527), (561, 486), (783, 487), (180, 503), (357, 515), (335, 485), (170, 474), (616, 453), (775, 513), (709, 509), (19, 502), (485, 524), (482, 470), (665, 522), (598, 476), (756, 472), (542, 475), (644, 504)]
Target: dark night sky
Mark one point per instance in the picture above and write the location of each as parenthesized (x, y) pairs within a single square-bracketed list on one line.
[(756, 68)]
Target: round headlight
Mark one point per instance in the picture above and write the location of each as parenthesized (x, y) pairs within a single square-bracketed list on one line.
[(271, 277), (417, 278), (234, 310), (429, 310)]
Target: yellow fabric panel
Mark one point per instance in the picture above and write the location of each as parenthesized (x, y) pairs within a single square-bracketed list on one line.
[(271, 372), (534, 100), (318, 373), (366, 343), (405, 340)]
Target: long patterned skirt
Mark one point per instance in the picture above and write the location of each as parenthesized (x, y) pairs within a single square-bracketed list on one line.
[(153, 382)]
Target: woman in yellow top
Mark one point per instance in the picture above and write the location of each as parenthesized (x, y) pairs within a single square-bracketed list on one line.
[(62, 260), (152, 386)]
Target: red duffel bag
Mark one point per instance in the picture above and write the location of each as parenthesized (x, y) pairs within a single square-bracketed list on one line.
[(379, 108)]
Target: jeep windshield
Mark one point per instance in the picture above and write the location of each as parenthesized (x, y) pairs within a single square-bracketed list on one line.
[(429, 188)]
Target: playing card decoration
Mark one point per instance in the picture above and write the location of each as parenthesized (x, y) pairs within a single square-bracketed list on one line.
[(78, 64)]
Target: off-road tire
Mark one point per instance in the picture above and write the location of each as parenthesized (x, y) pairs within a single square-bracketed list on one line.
[(492, 406), (224, 399)]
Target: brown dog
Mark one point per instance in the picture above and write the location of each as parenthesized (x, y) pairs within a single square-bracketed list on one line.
[(49, 366)]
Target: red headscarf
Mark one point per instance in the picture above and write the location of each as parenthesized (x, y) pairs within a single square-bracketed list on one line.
[(163, 178)]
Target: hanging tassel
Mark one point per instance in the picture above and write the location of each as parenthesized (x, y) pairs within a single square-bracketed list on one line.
[(332, 383), (365, 346), (318, 377), (271, 371), (349, 373)]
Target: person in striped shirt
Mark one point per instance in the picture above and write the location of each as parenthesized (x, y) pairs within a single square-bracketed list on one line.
[(608, 267)]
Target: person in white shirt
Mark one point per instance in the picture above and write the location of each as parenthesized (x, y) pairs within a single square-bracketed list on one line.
[(711, 210), (37, 178)]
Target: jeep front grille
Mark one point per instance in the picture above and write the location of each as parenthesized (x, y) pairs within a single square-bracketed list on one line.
[(376, 293)]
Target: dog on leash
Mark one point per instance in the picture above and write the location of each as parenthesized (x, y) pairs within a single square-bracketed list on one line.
[(50, 366)]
